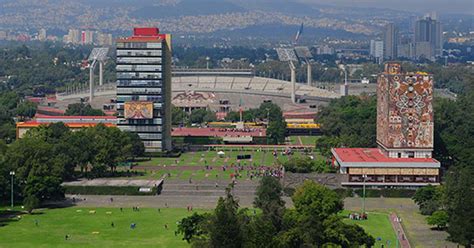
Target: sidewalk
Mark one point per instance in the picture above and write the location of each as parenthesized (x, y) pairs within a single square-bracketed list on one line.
[(397, 226)]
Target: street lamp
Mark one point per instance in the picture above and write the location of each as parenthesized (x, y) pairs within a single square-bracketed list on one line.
[(363, 194), (268, 123), (12, 174)]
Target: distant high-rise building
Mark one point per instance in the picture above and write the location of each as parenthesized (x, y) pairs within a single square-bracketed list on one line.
[(376, 50), (87, 37), (429, 30), (104, 39), (390, 40), (324, 50), (3, 35), (144, 87), (73, 36), (42, 34)]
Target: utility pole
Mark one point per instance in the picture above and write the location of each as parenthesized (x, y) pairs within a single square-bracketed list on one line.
[(268, 123), (12, 174), (363, 195)]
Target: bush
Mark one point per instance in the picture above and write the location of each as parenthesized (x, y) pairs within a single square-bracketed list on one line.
[(110, 190), (344, 192), (31, 202), (393, 193), (288, 191), (299, 165)]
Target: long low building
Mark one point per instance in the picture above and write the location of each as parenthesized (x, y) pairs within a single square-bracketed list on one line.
[(372, 167)]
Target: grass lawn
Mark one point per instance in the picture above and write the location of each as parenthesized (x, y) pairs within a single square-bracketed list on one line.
[(94, 230), (378, 225)]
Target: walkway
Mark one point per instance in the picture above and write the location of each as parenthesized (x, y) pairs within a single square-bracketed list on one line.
[(397, 226)]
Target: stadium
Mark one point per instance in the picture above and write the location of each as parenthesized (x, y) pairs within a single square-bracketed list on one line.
[(218, 90)]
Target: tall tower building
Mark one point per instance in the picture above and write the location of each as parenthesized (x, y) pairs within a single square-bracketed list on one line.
[(144, 87), (376, 50), (429, 31), (390, 40), (405, 126)]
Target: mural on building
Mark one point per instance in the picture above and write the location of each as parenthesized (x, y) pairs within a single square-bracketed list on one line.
[(404, 108), (138, 110)]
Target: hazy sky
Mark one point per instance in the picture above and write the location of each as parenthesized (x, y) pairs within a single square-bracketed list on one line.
[(441, 6)]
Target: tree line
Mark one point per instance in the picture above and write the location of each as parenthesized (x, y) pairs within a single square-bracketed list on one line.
[(48, 155), (313, 222)]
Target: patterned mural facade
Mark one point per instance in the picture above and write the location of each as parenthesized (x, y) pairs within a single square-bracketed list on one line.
[(404, 109)]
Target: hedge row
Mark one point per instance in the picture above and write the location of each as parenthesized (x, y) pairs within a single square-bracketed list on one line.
[(109, 190), (394, 193)]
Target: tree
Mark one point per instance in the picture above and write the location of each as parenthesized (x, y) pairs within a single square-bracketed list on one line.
[(269, 200), (137, 146), (439, 219), (348, 121), (428, 199), (299, 165), (192, 226), (459, 199), (178, 116), (202, 115), (31, 202), (225, 228), (26, 109), (81, 109)]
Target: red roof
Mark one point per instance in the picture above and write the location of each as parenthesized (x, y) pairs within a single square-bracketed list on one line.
[(217, 132), (373, 155), (30, 124), (144, 34), (49, 109), (105, 117)]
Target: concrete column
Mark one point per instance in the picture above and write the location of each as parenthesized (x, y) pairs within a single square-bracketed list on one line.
[(91, 81), (310, 75), (101, 72), (293, 85)]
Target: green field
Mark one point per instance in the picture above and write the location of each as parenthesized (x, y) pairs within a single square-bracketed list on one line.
[(378, 225), (94, 229), (211, 158)]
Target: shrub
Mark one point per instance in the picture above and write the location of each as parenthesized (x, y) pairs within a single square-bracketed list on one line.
[(394, 193)]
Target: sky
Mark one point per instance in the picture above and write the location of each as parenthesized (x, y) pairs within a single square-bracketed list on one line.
[(441, 6)]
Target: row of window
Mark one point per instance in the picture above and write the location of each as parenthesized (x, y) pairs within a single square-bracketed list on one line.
[(150, 136), (158, 100), (150, 83), (150, 143), (139, 75), (156, 121), (135, 60), (134, 68), (150, 91), (155, 128), (139, 53), (139, 45)]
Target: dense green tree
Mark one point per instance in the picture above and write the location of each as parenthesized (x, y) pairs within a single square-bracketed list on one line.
[(269, 200), (178, 116), (80, 109), (439, 219), (428, 199), (348, 121), (459, 199), (192, 226), (26, 109), (202, 115), (225, 229)]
